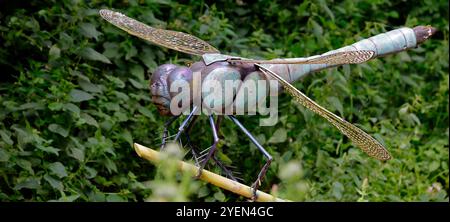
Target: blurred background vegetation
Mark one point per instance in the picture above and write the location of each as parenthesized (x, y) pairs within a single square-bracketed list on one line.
[(74, 97)]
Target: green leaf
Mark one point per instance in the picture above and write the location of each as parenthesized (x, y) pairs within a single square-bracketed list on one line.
[(97, 197), (26, 165), (79, 96), (55, 106), (70, 198), (433, 166), (408, 80), (414, 118), (72, 107), (88, 86), (58, 169), (110, 165), (4, 155), (6, 137), (57, 184), (324, 6), (224, 158), (79, 75), (121, 117), (279, 136), (337, 190), (91, 54), (148, 58), (203, 192), (114, 198), (24, 136), (89, 119), (122, 95), (317, 29), (126, 135), (146, 112), (48, 149), (56, 128), (89, 30), (118, 82), (130, 52), (219, 196), (138, 72), (111, 50), (33, 105), (112, 106), (308, 115), (336, 103), (90, 172), (54, 52), (28, 183), (291, 170), (77, 153), (135, 83), (65, 41)]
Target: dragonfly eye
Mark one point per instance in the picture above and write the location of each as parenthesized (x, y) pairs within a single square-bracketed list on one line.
[(158, 83), (179, 83)]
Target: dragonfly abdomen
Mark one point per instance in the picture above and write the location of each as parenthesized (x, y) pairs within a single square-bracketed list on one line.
[(382, 44)]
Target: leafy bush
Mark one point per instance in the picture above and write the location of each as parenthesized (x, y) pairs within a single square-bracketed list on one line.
[(75, 97)]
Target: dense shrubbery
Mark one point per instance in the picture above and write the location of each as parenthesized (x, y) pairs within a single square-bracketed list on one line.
[(75, 97)]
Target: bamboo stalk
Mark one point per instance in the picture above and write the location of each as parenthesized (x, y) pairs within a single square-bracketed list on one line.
[(208, 176)]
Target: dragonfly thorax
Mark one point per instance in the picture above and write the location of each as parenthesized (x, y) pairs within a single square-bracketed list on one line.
[(215, 87)]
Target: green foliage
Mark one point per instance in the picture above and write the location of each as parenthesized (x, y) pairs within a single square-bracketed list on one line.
[(75, 98)]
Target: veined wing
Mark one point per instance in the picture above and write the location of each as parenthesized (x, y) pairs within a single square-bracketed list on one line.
[(338, 58), (170, 39), (360, 138)]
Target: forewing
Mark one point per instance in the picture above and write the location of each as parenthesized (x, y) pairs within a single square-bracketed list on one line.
[(360, 138), (338, 58), (170, 39)]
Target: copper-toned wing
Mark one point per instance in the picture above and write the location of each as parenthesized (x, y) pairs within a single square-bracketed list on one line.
[(360, 138), (338, 58), (171, 39)]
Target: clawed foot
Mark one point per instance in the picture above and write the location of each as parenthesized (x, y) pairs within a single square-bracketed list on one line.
[(255, 187), (199, 174)]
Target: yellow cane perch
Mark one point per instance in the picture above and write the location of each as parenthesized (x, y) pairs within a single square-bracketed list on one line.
[(215, 179)]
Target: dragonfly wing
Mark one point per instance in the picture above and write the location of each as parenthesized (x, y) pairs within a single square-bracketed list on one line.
[(338, 58), (170, 39), (360, 138), (341, 58)]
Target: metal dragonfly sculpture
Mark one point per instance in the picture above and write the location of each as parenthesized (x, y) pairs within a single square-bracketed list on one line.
[(223, 67)]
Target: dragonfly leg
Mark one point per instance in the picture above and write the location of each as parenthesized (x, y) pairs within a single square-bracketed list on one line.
[(227, 172), (166, 131), (191, 124), (195, 152), (213, 147), (218, 122), (263, 171), (185, 123)]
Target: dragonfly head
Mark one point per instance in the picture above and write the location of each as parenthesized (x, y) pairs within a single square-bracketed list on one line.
[(171, 81), (159, 89)]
